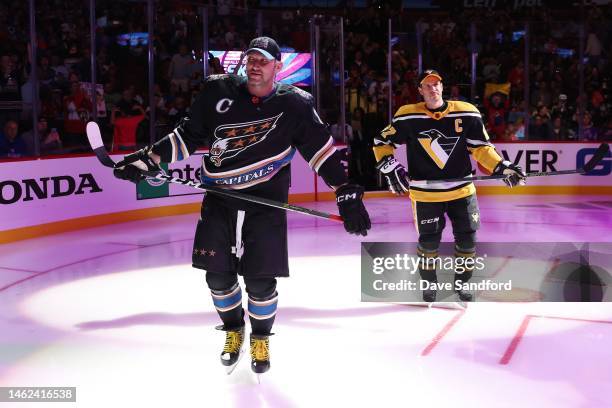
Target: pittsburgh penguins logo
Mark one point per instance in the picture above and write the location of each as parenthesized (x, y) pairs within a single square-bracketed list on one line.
[(438, 146), (232, 139)]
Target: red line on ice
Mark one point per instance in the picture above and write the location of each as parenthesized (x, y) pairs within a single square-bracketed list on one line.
[(515, 341), (438, 338)]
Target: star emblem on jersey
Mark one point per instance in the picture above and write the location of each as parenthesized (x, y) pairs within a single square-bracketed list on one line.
[(232, 139), (437, 145), (203, 252)]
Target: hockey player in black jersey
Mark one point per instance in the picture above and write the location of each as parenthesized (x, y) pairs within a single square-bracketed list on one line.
[(440, 136), (253, 127)]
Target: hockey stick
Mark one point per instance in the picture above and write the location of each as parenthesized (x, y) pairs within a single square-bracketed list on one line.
[(95, 141), (600, 153)]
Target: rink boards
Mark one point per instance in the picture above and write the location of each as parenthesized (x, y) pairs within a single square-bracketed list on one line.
[(60, 194)]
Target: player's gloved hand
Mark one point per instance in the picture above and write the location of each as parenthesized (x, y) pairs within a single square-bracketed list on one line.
[(356, 219), (136, 166), (395, 173), (513, 172)]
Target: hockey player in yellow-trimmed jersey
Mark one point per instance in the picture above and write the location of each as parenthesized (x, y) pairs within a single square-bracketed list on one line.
[(440, 136)]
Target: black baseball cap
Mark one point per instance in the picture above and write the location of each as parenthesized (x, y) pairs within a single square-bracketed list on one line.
[(267, 46), (429, 73)]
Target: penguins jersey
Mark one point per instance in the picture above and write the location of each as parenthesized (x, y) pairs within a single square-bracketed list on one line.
[(438, 146), (251, 140)]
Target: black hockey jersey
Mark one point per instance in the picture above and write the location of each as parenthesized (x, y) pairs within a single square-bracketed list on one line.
[(438, 145), (251, 140)]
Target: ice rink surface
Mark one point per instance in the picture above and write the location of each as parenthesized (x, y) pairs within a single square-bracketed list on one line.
[(119, 313)]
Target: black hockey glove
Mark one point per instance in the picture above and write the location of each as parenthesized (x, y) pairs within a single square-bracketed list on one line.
[(513, 172), (395, 173), (136, 166), (353, 212)]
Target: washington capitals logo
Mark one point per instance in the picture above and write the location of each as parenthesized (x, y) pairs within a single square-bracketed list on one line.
[(235, 138), (437, 145)]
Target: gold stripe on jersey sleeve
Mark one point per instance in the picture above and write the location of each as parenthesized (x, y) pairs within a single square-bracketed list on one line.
[(439, 196), (382, 151), (486, 156), (410, 109), (459, 106)]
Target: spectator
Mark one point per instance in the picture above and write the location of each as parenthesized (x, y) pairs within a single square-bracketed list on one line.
[(335, 130), (544, 113), (111, 96), (214, 65), (11, 144), (46, 75), (76, 114), (593, 48), (126, 105), (606, 133), (519, 129), (542, 95), (162, 128), (517, 112), (59, 68), (562, 109), (539, 129), (516, 76), (180, 68), (559, 132), (497, 109), (509, 134), (588, 132), (125, 126), (455, 94), (51, 103), (491, 71), (50, 142), (224, 7), (9, 79), (179, 109)]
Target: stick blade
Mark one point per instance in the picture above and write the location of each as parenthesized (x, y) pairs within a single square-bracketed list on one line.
[(97, 145), (94, 136), (600, 153)]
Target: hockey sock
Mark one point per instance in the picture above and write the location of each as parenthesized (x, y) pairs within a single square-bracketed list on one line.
[(262, 313), (464, 262), (229, 306), (427, 263)]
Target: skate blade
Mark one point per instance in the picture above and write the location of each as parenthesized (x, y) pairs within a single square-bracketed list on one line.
[(259, 376), (230, 369), (461, 304)]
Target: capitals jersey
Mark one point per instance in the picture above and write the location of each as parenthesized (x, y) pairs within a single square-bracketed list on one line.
[(252, 140), (438, 145)]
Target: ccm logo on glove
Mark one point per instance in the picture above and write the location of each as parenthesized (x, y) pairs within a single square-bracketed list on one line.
[(346, 197)]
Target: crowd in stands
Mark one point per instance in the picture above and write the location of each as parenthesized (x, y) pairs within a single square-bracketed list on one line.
[(559, 107)]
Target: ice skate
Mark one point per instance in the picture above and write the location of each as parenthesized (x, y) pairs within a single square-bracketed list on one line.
[(464, 296), (429, 296), (260, 354), (233, 348)]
